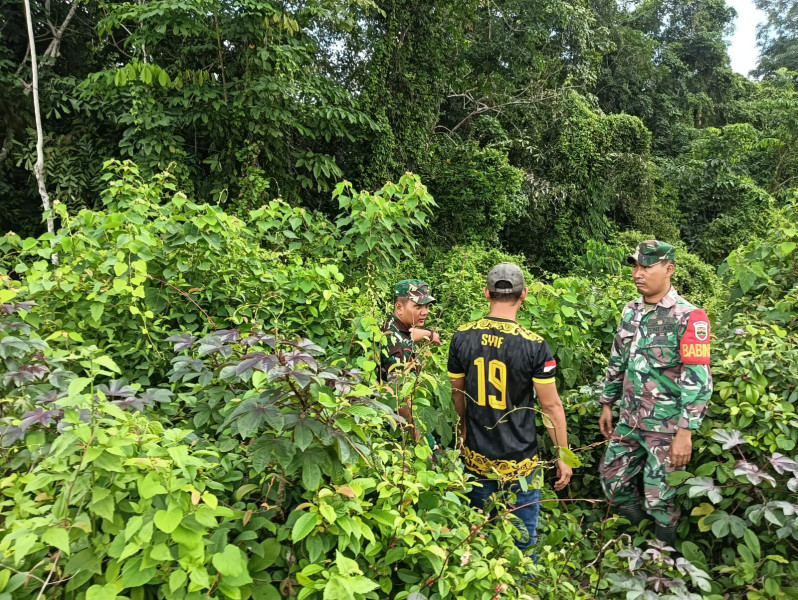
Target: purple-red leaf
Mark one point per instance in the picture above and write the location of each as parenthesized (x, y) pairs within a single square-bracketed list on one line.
[(182, 341), (10, 308), (699, 486), (308, 346), (156, 395), (256, 360), (131, 403), (752, 472), (10, 434), (783, 463), (227, 335), (213, 343), (297, 356), (117, 389), (39, 416), (635, 556), (257, 337), (50, 397), (729, 439)]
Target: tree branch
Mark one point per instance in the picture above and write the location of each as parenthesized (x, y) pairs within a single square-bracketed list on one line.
[(53, 50), (482, 106), (6, 145)]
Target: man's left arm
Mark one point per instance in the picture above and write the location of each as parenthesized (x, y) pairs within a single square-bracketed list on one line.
[(695, 384)]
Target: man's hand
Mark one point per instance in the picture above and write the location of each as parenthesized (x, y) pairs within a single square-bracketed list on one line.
[(681, 448), (564, 473), (417, 335), (605, 421)]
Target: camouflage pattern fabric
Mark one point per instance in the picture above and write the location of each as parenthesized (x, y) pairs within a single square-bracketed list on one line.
[(415, 289), (651, 252), (397, 350), (630, 451), (659, 366)]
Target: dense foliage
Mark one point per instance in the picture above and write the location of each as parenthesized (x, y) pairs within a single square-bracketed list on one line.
[(190, 407)]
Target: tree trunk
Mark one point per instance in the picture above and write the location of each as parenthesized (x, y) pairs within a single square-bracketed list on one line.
[(38, 168)]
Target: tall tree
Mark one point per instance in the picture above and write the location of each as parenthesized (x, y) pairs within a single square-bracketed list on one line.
[(670, 66), (38, 168), (777, 37)]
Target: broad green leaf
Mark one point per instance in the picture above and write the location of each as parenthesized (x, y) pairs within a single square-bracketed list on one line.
[(58, 537), (304, 525), (210, 500), (752, 541), (133, 575), (230, 562), (177, 579), (328, 512), (101, 592), (161, 552), (569, 458), (303, 436), (77, 385), (311, 475), (338, 588), (168, 520), (263, 590), (107, 362), (678, 477)]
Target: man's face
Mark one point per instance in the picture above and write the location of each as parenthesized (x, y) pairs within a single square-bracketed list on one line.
[(411, 313), (652, 280)]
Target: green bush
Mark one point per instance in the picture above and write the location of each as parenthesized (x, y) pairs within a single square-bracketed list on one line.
[(476, 190)]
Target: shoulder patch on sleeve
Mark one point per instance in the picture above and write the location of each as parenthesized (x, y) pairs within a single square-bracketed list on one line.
[(694, 344)]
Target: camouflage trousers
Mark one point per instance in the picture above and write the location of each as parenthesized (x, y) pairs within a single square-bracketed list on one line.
[(629, 452)]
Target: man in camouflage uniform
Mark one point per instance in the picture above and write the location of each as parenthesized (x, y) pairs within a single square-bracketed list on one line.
[(403, 329), (659, 376)]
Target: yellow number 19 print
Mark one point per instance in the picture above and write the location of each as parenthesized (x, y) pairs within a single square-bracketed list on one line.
[(497, 376)]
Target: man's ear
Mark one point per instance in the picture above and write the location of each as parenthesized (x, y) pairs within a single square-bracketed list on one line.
[(670, 268), (486, 292), (523, 294)]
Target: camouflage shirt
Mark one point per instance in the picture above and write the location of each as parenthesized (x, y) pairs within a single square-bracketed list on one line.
[(659, 365), (398, 348)]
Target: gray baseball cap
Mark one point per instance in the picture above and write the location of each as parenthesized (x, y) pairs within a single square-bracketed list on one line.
[(508, 272)]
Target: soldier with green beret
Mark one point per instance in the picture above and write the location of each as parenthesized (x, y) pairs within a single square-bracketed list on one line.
[(659, 378), (403, 329)]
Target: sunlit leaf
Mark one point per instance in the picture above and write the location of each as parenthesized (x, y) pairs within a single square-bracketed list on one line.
[(752, 472), (729, 439)]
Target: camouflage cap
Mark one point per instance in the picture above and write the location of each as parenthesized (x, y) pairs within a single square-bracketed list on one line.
[(415, 289), (651, 252)]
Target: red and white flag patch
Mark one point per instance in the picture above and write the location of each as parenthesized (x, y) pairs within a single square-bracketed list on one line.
[(694, 344), (549, 366)]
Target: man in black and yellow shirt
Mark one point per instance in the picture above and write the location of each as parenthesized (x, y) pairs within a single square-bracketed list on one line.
[(494, 366)]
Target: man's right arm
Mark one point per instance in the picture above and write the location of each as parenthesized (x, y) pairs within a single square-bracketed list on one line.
[(457, 377), (458, 398), (613, 381)]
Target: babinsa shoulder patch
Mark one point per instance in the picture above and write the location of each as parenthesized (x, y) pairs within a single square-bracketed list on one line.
[(694, 344)]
